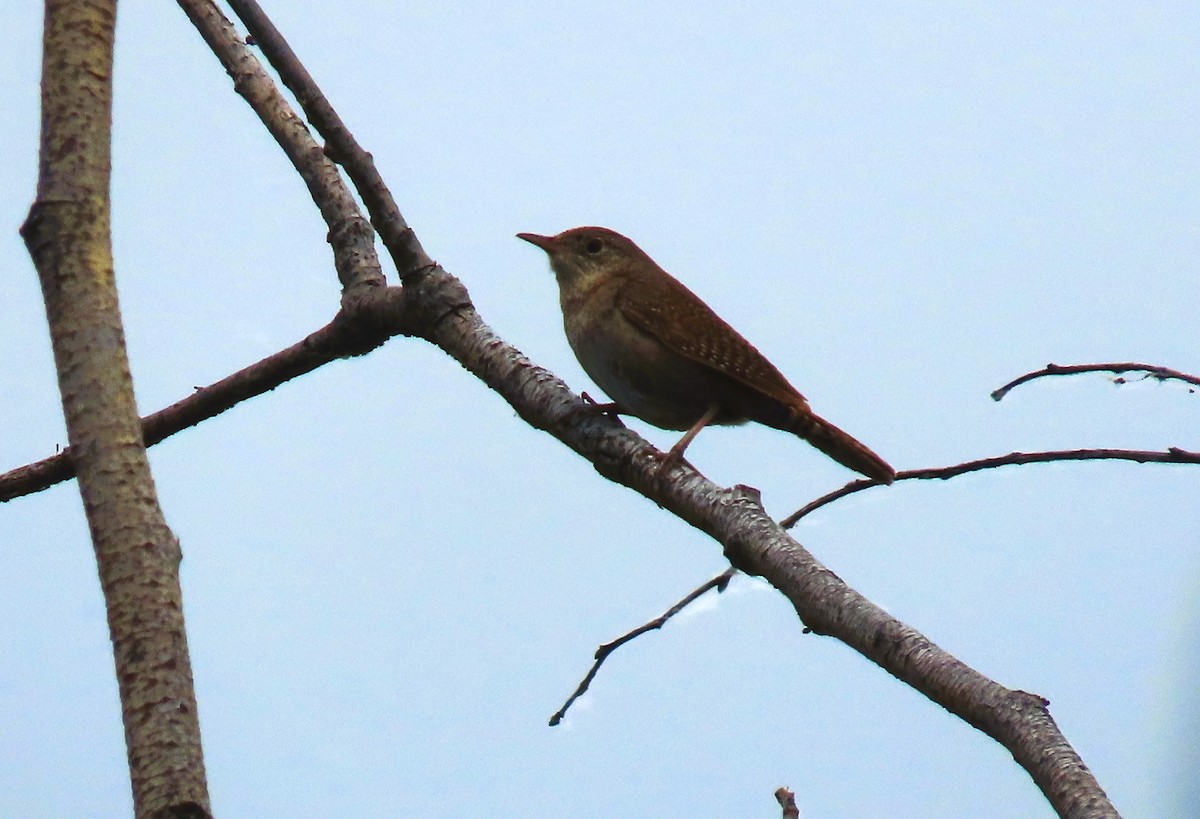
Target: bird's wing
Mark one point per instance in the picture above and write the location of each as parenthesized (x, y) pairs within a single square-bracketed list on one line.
[(665, 309)]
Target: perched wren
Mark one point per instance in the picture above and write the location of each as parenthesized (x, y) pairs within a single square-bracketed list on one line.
[(664, 356)]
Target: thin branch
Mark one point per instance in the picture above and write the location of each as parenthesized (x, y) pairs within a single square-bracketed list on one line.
[(1172, 455), (720, 583), (361, 326), (400, 240), (1150, 370), (351, 237)]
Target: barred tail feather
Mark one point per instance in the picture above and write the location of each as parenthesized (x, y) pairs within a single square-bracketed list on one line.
[(841, 446)]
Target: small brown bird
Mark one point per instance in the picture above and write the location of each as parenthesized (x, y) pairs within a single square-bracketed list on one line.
[(664, 356)]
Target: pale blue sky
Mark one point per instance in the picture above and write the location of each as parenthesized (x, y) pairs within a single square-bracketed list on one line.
[(391, 582)]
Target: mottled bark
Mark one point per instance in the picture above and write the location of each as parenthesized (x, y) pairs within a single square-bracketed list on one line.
[(67, 234)]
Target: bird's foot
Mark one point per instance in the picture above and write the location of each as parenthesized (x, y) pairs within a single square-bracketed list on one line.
[(667, 461), (612, 409), (591, 408)]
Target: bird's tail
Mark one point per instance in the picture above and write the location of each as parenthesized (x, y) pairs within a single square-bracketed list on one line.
[(839, 445)]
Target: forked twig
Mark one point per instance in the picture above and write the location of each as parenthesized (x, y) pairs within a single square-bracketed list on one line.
[(720, 582)]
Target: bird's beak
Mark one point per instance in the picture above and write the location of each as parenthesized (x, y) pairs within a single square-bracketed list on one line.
[(546, 243)]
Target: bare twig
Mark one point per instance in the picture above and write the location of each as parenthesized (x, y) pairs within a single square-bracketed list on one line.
[(1150, 370), (1172, 455), (720, 582)]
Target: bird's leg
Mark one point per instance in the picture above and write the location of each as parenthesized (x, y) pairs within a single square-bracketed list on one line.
[(675, 454)]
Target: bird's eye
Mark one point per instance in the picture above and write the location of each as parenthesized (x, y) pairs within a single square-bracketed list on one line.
[(593, 246)]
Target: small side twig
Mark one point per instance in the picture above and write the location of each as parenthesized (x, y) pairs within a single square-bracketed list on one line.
[(1149, 370), (720, 582), (1172, 455), (787, 801)]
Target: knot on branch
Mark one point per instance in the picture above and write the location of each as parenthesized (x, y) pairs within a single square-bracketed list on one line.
[(433, 296), (368, 317)]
